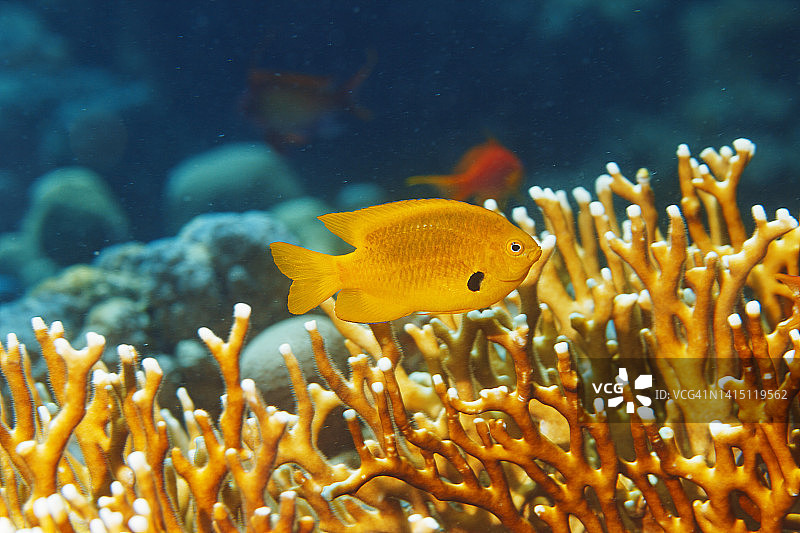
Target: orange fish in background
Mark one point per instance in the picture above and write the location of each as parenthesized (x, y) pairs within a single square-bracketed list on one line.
[(488, 170), (294, 108)]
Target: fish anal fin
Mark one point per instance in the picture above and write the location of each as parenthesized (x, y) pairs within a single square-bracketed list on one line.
[(355, 305)]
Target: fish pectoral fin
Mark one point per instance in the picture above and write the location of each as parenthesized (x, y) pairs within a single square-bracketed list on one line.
[(355, 305)]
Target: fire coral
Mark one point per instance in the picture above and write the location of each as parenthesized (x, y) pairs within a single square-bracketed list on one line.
[(500, 432)]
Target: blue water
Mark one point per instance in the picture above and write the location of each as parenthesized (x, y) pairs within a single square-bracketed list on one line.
[(568, 86)]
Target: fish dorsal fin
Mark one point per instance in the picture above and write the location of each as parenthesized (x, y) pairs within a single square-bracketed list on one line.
[(353, 226), (472, 155)]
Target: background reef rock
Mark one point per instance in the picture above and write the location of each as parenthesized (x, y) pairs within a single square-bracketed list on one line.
[(154, 294), (216, 260), (73, 215), (233, 177), (299, 215), (262, 362)]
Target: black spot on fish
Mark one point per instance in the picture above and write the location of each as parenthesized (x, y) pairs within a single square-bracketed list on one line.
[(474, 281)]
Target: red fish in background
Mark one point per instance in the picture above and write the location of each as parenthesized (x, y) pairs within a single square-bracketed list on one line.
[(294, 108), (488, 170)]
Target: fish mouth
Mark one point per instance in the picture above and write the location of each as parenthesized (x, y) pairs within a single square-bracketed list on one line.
[(514, 280), (534, 255)]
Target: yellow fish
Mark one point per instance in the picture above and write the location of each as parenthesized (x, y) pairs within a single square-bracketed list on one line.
[(434, 255)]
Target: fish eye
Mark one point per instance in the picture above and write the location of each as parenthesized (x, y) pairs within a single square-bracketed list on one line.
[(514, 247)]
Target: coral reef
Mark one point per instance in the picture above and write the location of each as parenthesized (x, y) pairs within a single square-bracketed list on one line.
[(155, 293), (500, 431)]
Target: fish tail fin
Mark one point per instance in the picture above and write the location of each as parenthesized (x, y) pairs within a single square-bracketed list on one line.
[(449, 184), (443, 181), (314, 275)]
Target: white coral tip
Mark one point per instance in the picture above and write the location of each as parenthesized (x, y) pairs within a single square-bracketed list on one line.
[(40, 509), (138, 524), (125, 351), (61, 345), (96, 525), (205, 334), (716, 427), (95, 339), (612, 168), (285, 349), (744, 145), (137, 460), (683, 150), (248, 386), (581, 195), (311, 325), (734, 320), (151, 365), (242, 310), (384, 364), (603, 183), (70, 492), (673, 211), (519, 214), (633, 211), (12, 341), (759, 215), (752, 308)]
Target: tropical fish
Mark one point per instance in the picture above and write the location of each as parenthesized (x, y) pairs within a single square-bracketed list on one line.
[(488, 170), (293, 108), (434, 255)]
